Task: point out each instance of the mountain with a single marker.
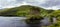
(22, 11)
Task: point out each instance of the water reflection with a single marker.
(20, 22)
(33, 25)
(34, 22)
(12, 22)
(43, 22)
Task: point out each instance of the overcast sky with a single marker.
(48, 4)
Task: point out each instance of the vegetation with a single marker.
(25, 11)
(20, 11)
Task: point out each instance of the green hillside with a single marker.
(25, 11)
(19, 11)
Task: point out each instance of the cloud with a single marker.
(54, 7)
(9, 3)
(36, 2)
(51, 3)
(16, 5)
(48, 4)
(13, 3)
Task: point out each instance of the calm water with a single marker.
(12, 22)
(18, 22)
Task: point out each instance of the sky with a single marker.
(47, 4)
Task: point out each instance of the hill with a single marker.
(24, 11)
(18, 11)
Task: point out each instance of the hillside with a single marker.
(24, 11)
(18, 11)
